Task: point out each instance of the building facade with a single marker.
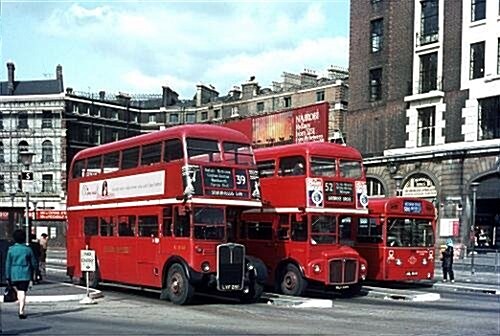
(425, 106)
(53, 123)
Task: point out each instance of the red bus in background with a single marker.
(157, 208)
(311, 193)
(397, 239)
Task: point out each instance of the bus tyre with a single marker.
(254, 293)
(292, 282)
(180, 291)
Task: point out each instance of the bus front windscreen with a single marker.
(209, 223)
(409, 232)
(323, 229)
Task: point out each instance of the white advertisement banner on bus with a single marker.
(146, 184)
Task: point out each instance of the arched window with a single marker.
(375, 187)
(47, 155)
(21, 147)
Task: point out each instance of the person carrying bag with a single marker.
(20, 265)
(10, 294)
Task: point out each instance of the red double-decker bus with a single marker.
(397, 239)
(157, 209)
(311, 193)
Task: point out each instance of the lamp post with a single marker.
(473, 187)
(26, 158)
(398, 179)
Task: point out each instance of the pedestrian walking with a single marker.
(44, 245)
(20, 266)
(447, 258)
(37, 251)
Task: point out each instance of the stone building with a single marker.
(54, 123)
(424, 106)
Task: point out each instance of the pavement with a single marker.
(484, 280)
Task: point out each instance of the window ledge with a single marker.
(427, 95)
(477, 23)
(491, 78)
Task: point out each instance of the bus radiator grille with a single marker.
(343, 271)
(230, 268)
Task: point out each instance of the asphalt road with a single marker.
(135, 312)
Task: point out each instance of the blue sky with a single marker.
(140, 46)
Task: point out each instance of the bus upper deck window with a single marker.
(266, 168)
(203, 150)
(111, 162)
(237, 153)
(173, 150)
(151, 154)
(93, 166)
(292, 165)
(323, 166)
(78, 168)
(350, 169)
(130, 158)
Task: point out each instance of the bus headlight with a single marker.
(363, 268)
(205, 266)
(316, 268)
(399, 262)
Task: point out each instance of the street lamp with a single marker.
(473, 187)
(398, 179)
(26, 158)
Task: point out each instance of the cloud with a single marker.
(184, 43)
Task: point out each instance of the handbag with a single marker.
(9, 294)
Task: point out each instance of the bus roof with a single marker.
(327, 149)
(394, 204)
(201, 131)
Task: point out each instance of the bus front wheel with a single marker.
(292, 282)
(180, 291)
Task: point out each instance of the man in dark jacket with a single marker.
(447, 259)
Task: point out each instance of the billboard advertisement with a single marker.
(303, 124)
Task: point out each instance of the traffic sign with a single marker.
(27, 176)
(87, 260)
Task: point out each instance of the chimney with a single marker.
(205, 94)
(102, 95)
(69, 90)
(10, 77)
(249, 89)
(308, 77)
(59, 77)
(235, 92)
(170, 97)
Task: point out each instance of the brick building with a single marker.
(424, 105)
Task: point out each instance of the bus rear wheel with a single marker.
(180, 291)
(292, 282)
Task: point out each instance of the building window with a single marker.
(429, 21)
(114, 114)
(2, 184)
(47, 119)
(489, 118)
(375, 84)
(96, 135)
(287, 101)
(320, 96)
(173, 118)
(85, 135)
(2, 158)
(478, 10)
(426, 126)
(428, 72)
(47, 183)
(260, 107)
(1, 120)
(234, 111)
(204, 115)
(377, 35)
(152, 118)
(114, 136)
(375, 187)
(190, 118)
(477, 60)
(47, 155)
(21, 147)
(22, 122)
(216, 114)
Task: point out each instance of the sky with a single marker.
(137, 47)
